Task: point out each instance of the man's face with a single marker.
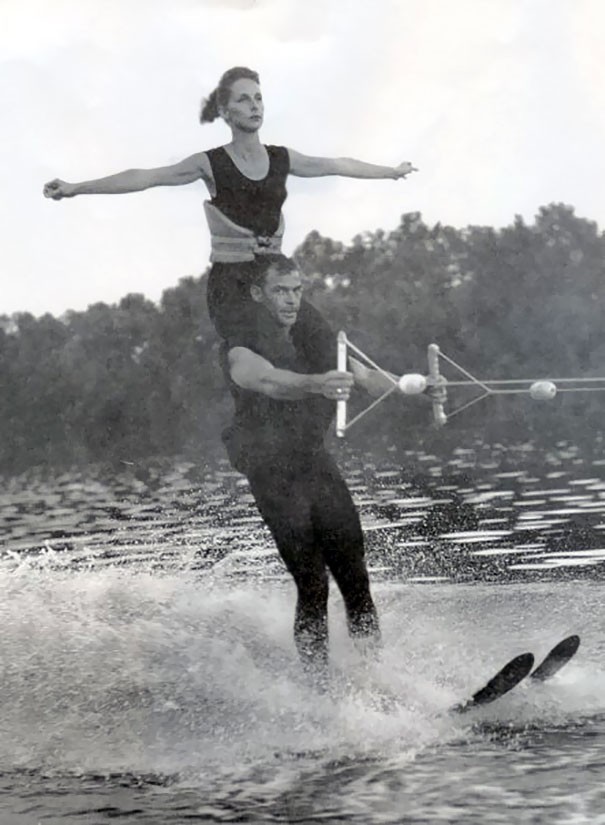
(281, 295)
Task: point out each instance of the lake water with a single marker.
(149, 674)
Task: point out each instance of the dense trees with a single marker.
(125, 381)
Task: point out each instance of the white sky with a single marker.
(500, 103)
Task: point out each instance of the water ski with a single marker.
(518, 668)
(511, 674)
(554, 661)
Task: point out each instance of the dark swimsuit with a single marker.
(303, 499)
(255, 205)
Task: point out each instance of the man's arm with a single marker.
(251, 371)
(304, 166)
(195, 167)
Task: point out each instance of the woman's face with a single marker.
(244, 110)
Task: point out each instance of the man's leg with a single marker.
(283, 501)
(338, 532)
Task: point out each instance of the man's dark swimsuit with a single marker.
(279, 446)
(255, 205)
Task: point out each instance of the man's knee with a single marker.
(347, 564)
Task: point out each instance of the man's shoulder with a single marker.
(252, 334)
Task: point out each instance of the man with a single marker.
(284, 402)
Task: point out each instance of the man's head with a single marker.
(277, 286)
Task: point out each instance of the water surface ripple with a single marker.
(149, 675)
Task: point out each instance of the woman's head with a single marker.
(217, 103)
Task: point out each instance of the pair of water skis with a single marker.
(518, 669)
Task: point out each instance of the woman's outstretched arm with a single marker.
(304, 166)
(195, 167)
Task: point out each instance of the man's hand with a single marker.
(57, 189)
(335, 385)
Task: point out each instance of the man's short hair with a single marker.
(274, 261)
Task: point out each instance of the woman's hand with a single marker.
(404, 169)
(57, 189)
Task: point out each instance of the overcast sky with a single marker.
(500, 103)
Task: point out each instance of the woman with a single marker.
(247, 185)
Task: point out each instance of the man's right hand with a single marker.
(335, 385)
(57, 189)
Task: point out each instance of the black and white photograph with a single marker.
(302, 391)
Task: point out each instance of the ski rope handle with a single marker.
(539, 389)
(341, 366)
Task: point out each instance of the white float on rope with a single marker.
(543, 390)
(412, 383)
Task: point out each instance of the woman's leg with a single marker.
(313, 336)
(228, 298)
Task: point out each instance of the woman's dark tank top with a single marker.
(254, 204)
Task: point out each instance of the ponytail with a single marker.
(209, 111)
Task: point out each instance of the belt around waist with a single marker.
(232, 250)
(231, 243)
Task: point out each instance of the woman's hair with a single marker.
(220, 96)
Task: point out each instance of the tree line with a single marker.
(136, 379)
